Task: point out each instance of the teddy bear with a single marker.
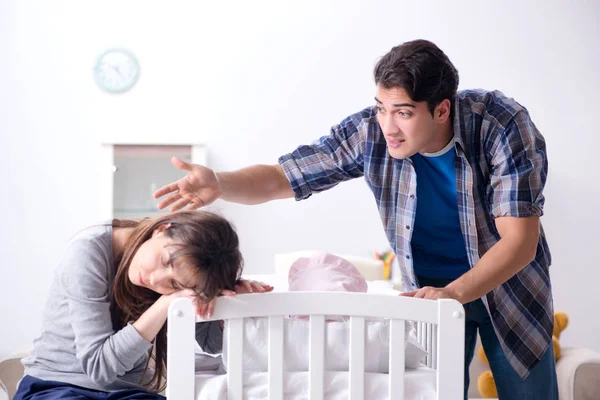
(485, 382)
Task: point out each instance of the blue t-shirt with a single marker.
(438, 247)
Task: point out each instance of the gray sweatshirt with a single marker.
(78, 344)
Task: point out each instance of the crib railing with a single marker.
(427, 337)
(440, 329)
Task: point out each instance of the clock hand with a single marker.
(118, 71)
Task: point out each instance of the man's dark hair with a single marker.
(420, 68)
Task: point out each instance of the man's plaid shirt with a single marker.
(501, 169)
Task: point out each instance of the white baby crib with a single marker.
(440, 325)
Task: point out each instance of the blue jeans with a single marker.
(540, 384)
(31, 388)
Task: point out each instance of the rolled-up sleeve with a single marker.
(328, 161)
(519, 167)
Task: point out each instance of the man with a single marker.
(458, 179)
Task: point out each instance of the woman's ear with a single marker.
(160, 229)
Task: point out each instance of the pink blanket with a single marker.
(324, 272)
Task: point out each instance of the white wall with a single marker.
(253, 80)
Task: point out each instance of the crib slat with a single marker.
(316, 359)
(434, 334)
(235, 338)
(396, 377)
(357, 358)
(275, 358)
(429, 346)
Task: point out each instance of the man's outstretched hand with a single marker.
(199, 188)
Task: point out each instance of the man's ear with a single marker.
(160, 229)
(442, 111)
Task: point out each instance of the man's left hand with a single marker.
(428, 292)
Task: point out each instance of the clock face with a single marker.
(116, 71)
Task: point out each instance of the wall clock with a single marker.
(116, 71)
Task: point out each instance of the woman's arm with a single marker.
(209, 335)
(152, 320)
(103, 353)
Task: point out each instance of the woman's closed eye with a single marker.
(164, 259)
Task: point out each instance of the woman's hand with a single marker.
(249, 286)
(179, 293)
(202, 308)
(205, 309)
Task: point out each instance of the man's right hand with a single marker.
(198, 189)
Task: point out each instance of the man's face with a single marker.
(408, 126)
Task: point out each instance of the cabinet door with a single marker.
(137, 171)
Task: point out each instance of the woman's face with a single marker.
(150, 266)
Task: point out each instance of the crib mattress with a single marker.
(419, 384)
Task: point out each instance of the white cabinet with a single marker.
(133, 172)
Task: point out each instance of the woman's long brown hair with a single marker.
(208, 242)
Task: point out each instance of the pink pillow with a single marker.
(324, 272)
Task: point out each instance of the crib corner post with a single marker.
(180, 350)
(451, 350)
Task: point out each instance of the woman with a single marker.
(108, 303)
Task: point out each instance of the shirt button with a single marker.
(412, 196)
(407, 227)
(407, 257)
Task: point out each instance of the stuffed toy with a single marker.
(485, 383)
(387, 257)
